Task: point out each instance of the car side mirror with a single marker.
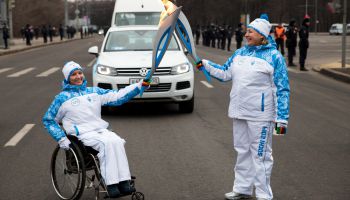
(93, 50)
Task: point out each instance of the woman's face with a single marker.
(253, 37)
(76, 78)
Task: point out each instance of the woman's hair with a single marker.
(264, 41)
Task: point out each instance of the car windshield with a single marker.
(139, 18)
(134, 40)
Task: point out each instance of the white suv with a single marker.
(125, 57)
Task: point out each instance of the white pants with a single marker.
(253, 143)
(113, 161)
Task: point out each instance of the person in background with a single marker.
(229, 37)
(303, 42)
(239, 35)
(291, 34)
(280, 36)
(5, 35)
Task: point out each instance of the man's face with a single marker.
(253, 37)
(76, 78)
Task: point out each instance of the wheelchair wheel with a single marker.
(137, 196)
(68, 172)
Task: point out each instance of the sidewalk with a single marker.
(18, 44)
(335, 70)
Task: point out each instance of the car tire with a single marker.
(186, 106)
(104, 110)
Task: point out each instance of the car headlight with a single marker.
(180, 69)
(104, 70)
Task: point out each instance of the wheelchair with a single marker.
(77, 169)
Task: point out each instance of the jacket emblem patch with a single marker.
(75, 102)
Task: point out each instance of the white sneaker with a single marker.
(236, 196)
(261, 199)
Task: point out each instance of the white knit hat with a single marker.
(261, 25)
(69, 68)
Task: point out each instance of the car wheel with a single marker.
(186, 106)
(104, 110)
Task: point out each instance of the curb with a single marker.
(335, 74)
(38, 46)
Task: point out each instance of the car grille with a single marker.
(136, 71)
(161, 87)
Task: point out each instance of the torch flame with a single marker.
(169, 8)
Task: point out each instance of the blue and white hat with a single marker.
(261, 25)
(69, 68)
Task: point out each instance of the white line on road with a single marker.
(92, 62)
(20, 73)
(5, 69)
(48, 72)
(207, 84)
(16, 138)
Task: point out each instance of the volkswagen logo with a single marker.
(143, 71)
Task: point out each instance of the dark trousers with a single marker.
(229, 44)
(5, 42)
(239, 44)
(197, 39)
(223, 43)
(213, 43)
(291, 54)
(280, 44)
(219, 43)
(302, 56)
(28, 40)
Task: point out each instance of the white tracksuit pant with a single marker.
(253, 144)
(113, 161)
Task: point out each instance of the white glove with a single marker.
(64, 143)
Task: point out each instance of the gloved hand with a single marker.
(199, 65)
(64, 143)
(146, 84)
(281, 128)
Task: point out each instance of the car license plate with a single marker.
(155, 80)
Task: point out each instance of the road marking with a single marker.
(20, 73)
(207, 84)
(92, 62)
(16, 138)
(48, 72)
(5, 69)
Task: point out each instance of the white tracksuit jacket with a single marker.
(259, 97)
(79, 110)
(260, 86)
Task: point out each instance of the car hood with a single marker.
(131, 59)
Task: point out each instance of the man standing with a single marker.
(61, 30)
(229, 37)
(5, 35)
(291, 42)
(44, 33)
(197, 33)
(239, 35)
(280, 37)
(27, 34)
(304, 42)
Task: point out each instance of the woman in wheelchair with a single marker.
(78, 108)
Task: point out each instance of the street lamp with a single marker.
(344, 34)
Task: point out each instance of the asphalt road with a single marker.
(177, 156)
